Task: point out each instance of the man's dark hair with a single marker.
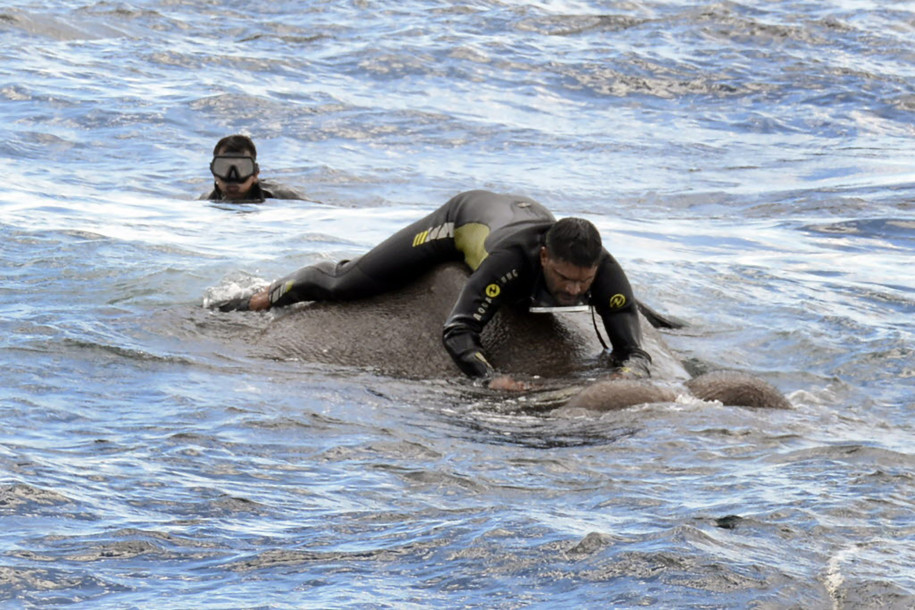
(237, 144)
(575, 241)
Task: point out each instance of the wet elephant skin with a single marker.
(399, 334)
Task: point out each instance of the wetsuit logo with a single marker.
(493, 290)
(617, 301)
(277, 291)
(442, 231)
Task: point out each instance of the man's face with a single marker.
(232, 188)
(566, 282)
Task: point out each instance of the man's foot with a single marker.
(236, 304)
(260, 300)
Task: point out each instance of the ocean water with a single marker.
(750, 164)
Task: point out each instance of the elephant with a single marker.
(399, 333)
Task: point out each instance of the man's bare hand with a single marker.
(504, 382)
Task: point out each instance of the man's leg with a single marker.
(394, 262)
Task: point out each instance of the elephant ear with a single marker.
(737, 389)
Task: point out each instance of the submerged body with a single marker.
(392, 335)
(236, 174)
(256, 193)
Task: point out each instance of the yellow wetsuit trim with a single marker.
(470, 239)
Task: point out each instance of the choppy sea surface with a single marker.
(752, 165)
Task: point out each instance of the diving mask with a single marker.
(233, 168)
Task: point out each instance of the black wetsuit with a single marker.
(499, 237)
(259, 192)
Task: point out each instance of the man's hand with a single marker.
(504, 382)
(636, 366)
(236, 304)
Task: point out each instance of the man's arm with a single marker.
(627, 357)
(481, 297)
(613, 298)
(463, 344)
(272, 190)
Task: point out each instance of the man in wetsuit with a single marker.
(517, 252)
(236, 174)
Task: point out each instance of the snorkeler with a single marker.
(236, 174)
